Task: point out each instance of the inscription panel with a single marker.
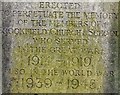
(60, 47)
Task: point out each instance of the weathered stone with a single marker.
(58, 47)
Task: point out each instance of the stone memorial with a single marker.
(60, 47)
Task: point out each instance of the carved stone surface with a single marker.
(59, 47)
